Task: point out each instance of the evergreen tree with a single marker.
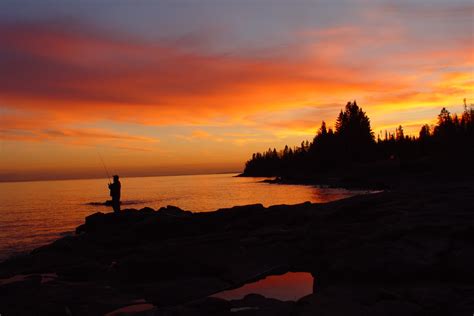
(399, 134)
(354, 133)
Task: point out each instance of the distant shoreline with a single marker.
(124, 176)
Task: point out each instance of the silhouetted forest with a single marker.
(353, 143)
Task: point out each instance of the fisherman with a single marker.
(115, 193)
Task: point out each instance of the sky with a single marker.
(180, 87)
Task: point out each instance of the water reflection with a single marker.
(34, 213)
(290, 286)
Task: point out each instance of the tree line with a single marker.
(353, 143)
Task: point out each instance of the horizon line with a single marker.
(142, 176)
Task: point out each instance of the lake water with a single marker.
(35, 213)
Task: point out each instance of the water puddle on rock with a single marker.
(290, 286)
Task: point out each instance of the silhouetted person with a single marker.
(115, 193)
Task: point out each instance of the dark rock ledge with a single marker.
(409, 252)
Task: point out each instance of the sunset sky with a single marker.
(176, 87)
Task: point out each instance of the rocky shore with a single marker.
(403, 252)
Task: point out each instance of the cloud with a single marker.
(58, 74)
(200, 134)
(96, 75)
(428, 10)
(76, 136)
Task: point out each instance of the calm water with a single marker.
(35, 213)
(290, 286)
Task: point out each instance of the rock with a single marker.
(210, 306)
(147, 210)
(394, 308)
(171, 210)
(255, 304)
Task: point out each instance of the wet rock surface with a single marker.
(406, 252)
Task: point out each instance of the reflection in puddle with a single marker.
(290, 286)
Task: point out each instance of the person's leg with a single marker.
(116, 205)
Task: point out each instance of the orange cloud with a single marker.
(12, 130)
(77, 75)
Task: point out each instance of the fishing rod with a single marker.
(105, 167)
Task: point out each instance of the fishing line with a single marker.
(105, 167)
